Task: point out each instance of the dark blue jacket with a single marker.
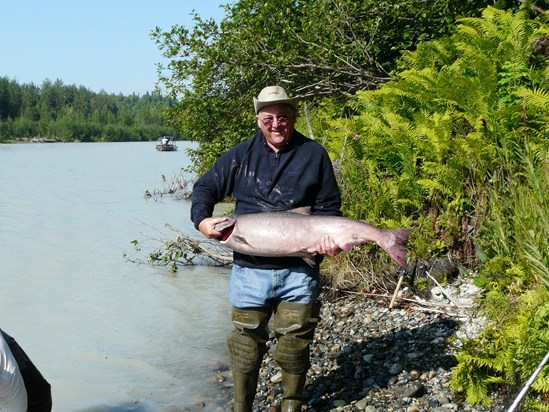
(261, 180)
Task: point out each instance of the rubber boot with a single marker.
(292, 387)
(295, 324)
(244, 385)
(246, 349)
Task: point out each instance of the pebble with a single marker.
(395, 369)
(277, 378)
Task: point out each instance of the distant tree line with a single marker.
(69, 112)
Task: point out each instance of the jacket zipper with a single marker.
(277, 156)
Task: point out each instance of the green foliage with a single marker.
(323, 49)
(518, 221)
(67, 113)
(457, 146)
(508, 350)
(427, 143)
(515, 243)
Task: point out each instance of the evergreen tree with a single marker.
(67, 113)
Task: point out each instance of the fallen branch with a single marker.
(180, 249)
(397, 289)
(444, 308)
(203, 248)
(179, 187)
(432, 310)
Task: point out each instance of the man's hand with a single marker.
(207, 226)
(327, 246)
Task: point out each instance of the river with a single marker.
(108, 334)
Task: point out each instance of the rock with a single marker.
(277, 378)
(395, 369)
(415, 390)
(442, 398)
(414, 374)
(362, 404)
(368, 358)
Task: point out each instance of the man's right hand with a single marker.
(207, 226)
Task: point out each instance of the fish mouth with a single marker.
(225, 233)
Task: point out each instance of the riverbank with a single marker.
(367, 357)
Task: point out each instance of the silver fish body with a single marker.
(297, 234)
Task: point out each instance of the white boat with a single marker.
(166, 144)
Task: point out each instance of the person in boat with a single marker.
(165, 141)
(277, 169)
(22, 386)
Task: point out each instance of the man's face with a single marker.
(277, 123)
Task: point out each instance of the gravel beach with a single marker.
(368, 357)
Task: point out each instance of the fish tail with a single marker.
(397, 247)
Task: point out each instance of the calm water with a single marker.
(109, 335)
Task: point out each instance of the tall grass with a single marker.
(514, 246)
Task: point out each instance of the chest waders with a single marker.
(246, 349)
(294, 326)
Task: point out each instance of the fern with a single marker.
(459, 140)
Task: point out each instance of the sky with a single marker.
(98, 44)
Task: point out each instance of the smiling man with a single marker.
(276, 121)
(277, 169)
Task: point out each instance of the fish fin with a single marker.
(348, 246)
(227, 223)
(226, 228)
(304, 210)
(397, 248)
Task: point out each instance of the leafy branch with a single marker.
(179, 249)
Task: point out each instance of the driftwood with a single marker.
(414, 303)
(397, 289)
(178, 186)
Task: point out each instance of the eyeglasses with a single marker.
(280, 118)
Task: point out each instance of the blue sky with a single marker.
(98, 44)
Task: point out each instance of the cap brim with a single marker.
(258, 105)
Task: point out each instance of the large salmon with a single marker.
(298, 234)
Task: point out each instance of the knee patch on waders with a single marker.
(295, 325)
(247, 341)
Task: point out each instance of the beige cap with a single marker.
(273, 95)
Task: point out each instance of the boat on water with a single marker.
(166, 144)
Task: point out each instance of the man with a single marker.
(277, 169)
(22, 386)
